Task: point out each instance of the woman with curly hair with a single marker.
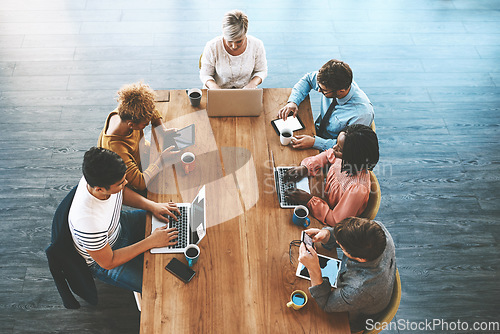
(348, 185)
(123, 133)
(235, 59)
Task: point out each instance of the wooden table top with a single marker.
(244, 277)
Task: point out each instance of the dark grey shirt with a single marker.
(363, 290)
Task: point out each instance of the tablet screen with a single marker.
(292, 123)
(184, 137)
(180, 139)
(330, 268)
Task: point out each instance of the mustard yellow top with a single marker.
(130, 148)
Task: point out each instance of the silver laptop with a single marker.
(234, 102)
(283, 187)
(191, 224)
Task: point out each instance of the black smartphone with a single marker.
(181, 270)
(307, 239)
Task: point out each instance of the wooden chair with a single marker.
(391, 309)
(374, 199)
(199, 61)
(371, 125)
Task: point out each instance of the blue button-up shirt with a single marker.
(354, 108)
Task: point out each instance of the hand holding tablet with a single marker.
(291, 123)
(330, 267)
(180, 139)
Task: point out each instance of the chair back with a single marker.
(374, 199)
(199, 61)
(374, 128)
(68, 268)
(391, 309)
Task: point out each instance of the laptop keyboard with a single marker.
(182, 226)
(285, 187)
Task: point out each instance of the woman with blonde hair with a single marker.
(123, 133)
(235, 59)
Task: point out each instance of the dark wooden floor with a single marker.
(431, 69)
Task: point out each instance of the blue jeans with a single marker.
(128, 275)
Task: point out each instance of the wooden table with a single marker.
(244, 277)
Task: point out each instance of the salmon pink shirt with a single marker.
(346, 195)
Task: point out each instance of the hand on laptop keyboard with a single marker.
(163, 211)
(164, 236)
(295, 173)
(298, 196)
(181, 226)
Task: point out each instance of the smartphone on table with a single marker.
(181, 270)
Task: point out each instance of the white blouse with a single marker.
(233, 71)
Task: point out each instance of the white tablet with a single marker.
(292, 123)
(180, 139)
(184, 137)
(330, 268)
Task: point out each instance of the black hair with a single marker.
(102, 167)
(360, 151)
(360, 237)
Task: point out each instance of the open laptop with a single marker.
(234, 102)
(283, 187)
(191, 224)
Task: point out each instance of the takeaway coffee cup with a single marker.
(300, 214)
(297, 300)
(188, 161)
(286, 136)
(194, 95)
(192, 253)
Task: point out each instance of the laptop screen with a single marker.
(275, 174)
(198, 228)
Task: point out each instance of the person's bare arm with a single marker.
(256, 80)
(211, 84)
(303, 142)
(309, 258)
(108, 258)
(290, 107)
(159, 210)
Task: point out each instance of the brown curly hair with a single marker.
(335, 75)
(136, 102)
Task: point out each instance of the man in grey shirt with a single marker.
(366, 281)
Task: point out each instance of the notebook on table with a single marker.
(191, 224)
(283, 187)
(234, 102)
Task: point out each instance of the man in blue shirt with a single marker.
(343, 103)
